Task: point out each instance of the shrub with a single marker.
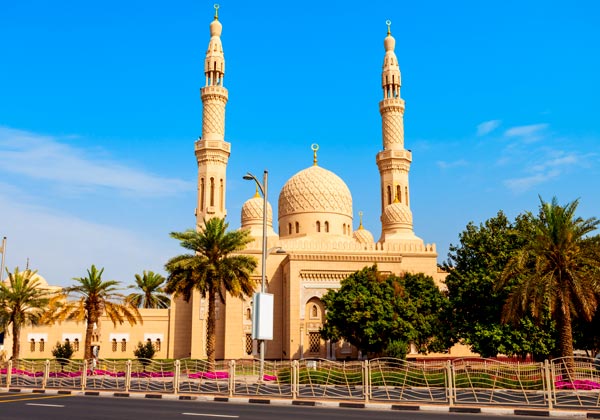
(63, 351)
(144, 350)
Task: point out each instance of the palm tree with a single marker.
(152, 294)
(95, 297)
(557, 272)
(213, 269)
(22, 302)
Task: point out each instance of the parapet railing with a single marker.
(558, 383)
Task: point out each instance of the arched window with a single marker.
(123, 345)
(318, 226)
(42, 344)
(222, 195)
(406, 194)
(314, 312)
(399, 193)
(157, 344)
(289, 228)
(202, 188)
(32, 345)
(297, 227)
(248, 314)
(389, 194)
(114, 344)
(344, 228)
(212, 191)
(76, 344)
(326, 226)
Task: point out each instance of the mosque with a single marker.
(314, 249)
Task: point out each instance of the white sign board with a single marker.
(262, 317)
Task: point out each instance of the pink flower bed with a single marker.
(269, 377)
(583, 384)
(209, 375)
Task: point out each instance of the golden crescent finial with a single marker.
(314, 148)
(216, 6)
(389, 24)
(256, 195)
(360, 215)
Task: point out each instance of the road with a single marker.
(65, 407)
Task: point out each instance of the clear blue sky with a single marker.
(100, 108)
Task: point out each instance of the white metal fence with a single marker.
(566, 382)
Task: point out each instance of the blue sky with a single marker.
(100, 108)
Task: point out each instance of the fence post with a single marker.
(366, 380)
(450, 379)
(294, 378)
(176, 376)
(84, 375)
(127, 375)
(9, 368)
(549, 383)
(231, 377)
(46, 374)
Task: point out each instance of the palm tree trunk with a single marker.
(210, 330)
(16, 347)
(89, 330)
(565, 336)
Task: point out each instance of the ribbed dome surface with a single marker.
(397, 213)
(315, 190)
(252, 212)
(363, 236)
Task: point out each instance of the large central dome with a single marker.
(312, 190)
(315, 201)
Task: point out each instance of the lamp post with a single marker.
(263, 190)
(3, 250)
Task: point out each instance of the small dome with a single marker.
(363, 236)
(315, 190)
(216, 28)
(252, 212)
(389, 43)
(397, 213)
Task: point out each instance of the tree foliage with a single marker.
(93, 298)
(144, 350)
(213, 269)
(22, 302)
(556, 271)
(63, 351)
(382, 314)
(474, 269)
(151, 292)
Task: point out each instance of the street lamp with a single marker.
(262, 301)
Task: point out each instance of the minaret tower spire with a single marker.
(212, 151)
(394, 160)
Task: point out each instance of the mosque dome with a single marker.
(363, 236)
(252, 212)
(397, 214)
(313, 190)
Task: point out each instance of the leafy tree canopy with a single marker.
(476, 300)
(381, 314)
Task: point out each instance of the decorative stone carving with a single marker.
(315, 190)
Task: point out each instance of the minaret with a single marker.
(394, 161)
(212, 151)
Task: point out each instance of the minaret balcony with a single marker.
(400, 154)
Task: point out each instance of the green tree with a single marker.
(63, 351)
(144, 350)
(382, 314)
(474, 269)
(151, 292)
(22, 302)
(93, 298)
(556, 271)
(214, 269)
